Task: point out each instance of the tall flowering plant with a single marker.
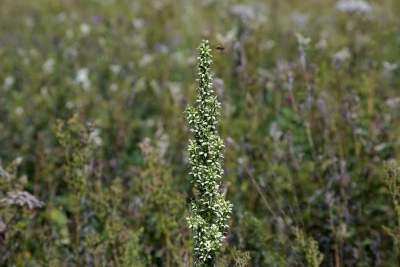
(209, 211)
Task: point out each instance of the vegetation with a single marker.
(94, 160)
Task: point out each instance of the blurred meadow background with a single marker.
(93, 138)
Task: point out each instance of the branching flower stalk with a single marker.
(209, 211)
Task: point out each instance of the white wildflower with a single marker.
(303, 41)
(19, 160)
(19, 111)
(145, 60)
(244, 11)
(82, 78)
(393, 102)
(69, 105)
(138, 23)
(322, 44)
(389, 68)
(8, 82)
(341, 56)
(113, 87)
(95, 138)
(115, 68)
(44, 91)
(353, 6)
(48, 66)
(85, 29)
(22, 199)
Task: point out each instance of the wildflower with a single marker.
(353, 6)
(303, 41)
(157, 47)
(322, 44)
(161, 48)
(97, 19)
(85, 29)
(115, 68)
(298, 18)
(8, 82)
(95, 138)
(22, 199)
(244, 11)
(145, 60)
(48, 66)
(69, 105)
(138, 23)
(19, 111)
(393, 102)
(210, 212)
(19, 160)
(82, 78)
(340, 57)
(389, 68)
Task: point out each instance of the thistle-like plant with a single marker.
(209, 211)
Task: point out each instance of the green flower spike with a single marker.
(210, 212)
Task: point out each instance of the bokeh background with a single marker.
(93, 138)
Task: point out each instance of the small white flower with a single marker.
(341, 56)
(18, 160)
(48, 66)
(95, 138)
(115, 68)
(393, 102)
(82, 75)
(303, 41)
(380, 147)
(138, 23)
(244, 11)
(19, 111)
(353, 6)
(69, 105)
(44, 91)
(113, 87)
(388, 67)
(82, 78)
(145, 60)
(322, 44)
(8, 82)
(85, 29)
